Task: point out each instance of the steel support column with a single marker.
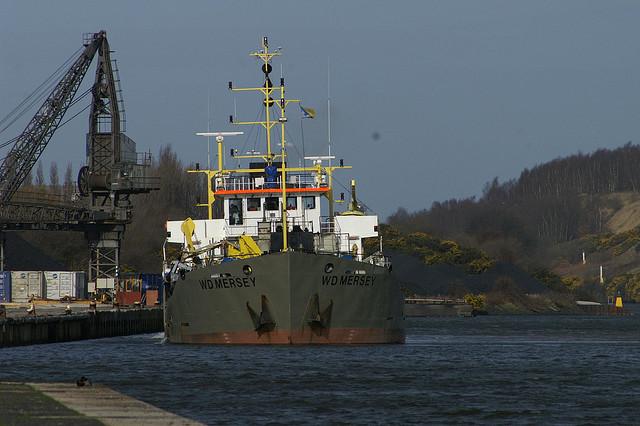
(104, 258)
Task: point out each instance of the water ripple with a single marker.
(489, 370)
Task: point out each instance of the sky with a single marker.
(429, 99)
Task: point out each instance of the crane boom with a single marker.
(28, 147)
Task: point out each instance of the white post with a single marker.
(584, 259)
(601, 275)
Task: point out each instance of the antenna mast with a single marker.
(271, 119)
(330, 194)
(209, 129)
(329, 106)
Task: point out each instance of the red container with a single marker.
(128, 297)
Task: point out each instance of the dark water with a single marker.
(493, 370)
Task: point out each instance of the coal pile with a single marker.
(19, 255)
(454, 280)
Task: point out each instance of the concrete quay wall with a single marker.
(65, 328)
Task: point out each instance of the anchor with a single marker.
(264, 322)
(318, 321)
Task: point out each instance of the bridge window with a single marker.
(309, 203)
(292, 203)
(253, 204)
(272, 204)
(235, 211)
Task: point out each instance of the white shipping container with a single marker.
(52, 285)
(61, 284)
(67, 286)
(27, 284)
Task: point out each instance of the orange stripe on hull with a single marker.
(334, 336)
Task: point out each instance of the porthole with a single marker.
(328, 268)
(248, 270)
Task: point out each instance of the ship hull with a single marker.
(286, 298)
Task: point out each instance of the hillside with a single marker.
(627, 216)
(617, 253)
(545, 219)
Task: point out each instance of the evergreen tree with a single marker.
(54, 179)
(68, 188)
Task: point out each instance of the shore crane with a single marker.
(113, 172)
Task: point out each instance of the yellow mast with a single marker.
(213, 173)
(267, 90)
(265, 55)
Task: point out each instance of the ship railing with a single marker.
(328, 225)
(378, 259)
(236, 183)
(344, 242)
(251, 228)
(238, 230)
(250, 183)
(302, 180)
(293, 224)
(331, 243)
(299, 224)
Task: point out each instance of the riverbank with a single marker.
(513, 303)
(508, 303)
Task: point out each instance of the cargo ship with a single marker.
(266, 266)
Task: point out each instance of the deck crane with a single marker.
(114, 171)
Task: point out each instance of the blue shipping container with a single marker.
(5, 286)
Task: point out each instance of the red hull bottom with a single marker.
(334, 336)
